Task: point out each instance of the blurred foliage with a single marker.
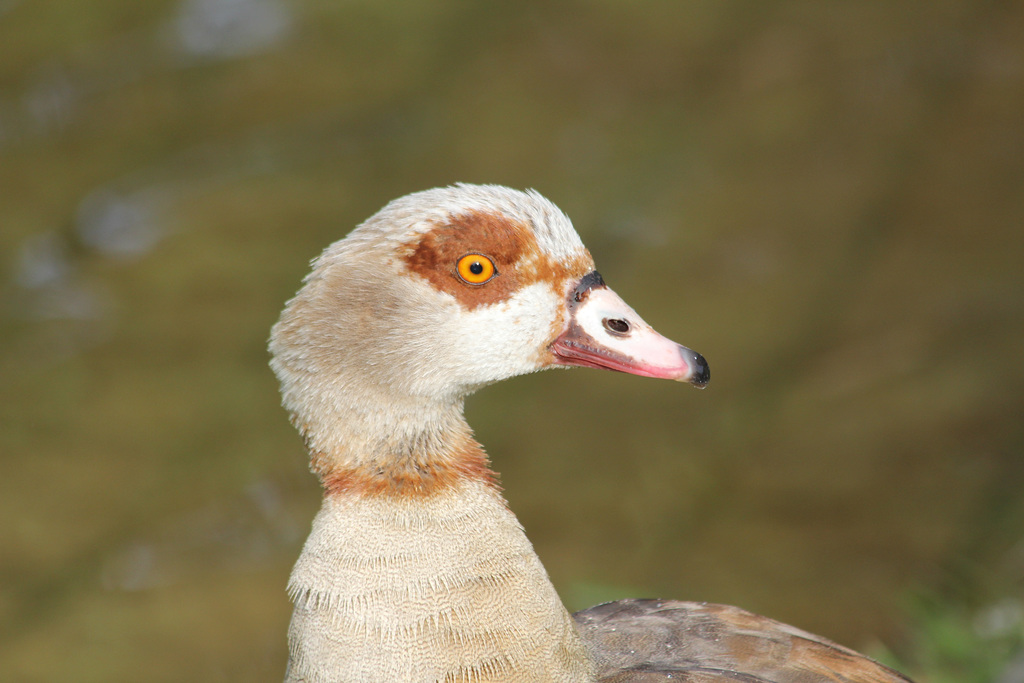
(826, 199)
(953, 644)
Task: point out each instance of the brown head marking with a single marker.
(508, 243)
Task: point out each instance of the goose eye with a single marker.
(475, 269)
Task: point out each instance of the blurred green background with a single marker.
(826, 199)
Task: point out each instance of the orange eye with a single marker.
(475, 269)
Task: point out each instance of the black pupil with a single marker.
(476, 268)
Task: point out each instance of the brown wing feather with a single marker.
(644, 641)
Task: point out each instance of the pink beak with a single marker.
(604, 332)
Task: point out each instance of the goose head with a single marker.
(438, 294)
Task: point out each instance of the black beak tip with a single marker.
(701, 371)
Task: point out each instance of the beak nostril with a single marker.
(616, 326)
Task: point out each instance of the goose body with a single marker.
(415, 569)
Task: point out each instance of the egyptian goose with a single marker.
(415, 568)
